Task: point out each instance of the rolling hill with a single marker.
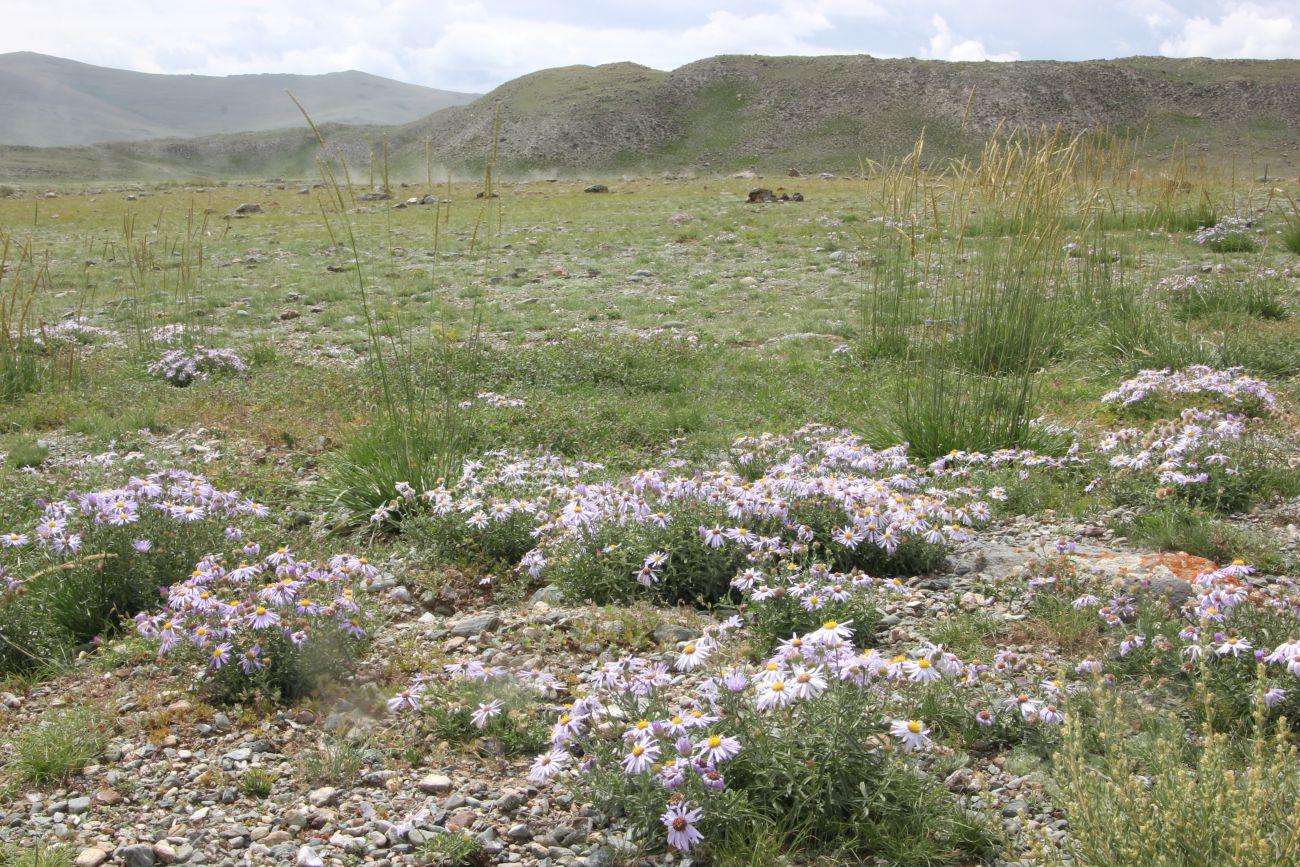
(49, 101)
(813, 113)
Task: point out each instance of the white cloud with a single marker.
(1247, 30)
(945, 46)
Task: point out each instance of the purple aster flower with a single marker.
(680, 821)
(220, 655)
(718, 748)
(486, 711)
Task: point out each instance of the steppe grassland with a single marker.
(655, 324)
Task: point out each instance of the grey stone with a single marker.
(136, 856)
(435, 784)
(248, 208)
(671, 634)
(77, 806)
(520, 832)
(323, 797)
(476, 625)
(307, 857)
(92, 857)
(550, 594)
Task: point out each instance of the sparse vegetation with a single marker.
(54, 749)
(657, 520)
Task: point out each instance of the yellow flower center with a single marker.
(914, 727)
(715, 742)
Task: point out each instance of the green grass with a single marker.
(27, 454)
(55, 748)
(1193, 531)
(38, 855)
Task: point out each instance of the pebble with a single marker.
(136, 856)
(435, 784)
(323, 797)
(476, 625)
(92, 857)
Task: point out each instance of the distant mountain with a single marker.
(775, 113)
(49, 101)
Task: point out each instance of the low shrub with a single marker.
(95, 558)
(1219, 806)
(181, 367)
(1229, 235)
(277, 627)
(798, 752)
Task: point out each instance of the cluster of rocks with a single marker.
(762, 195)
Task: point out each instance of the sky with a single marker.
(474, 46)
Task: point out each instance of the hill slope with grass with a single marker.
(724, 113)
(51, 101)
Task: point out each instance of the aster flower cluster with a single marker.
(1229, 626)
(698, 730)
(78, 562)
(822, 487)
(174, 334)
(1179, 453)
(494, 400)
(169, 496)
(181, 367)
(1231, 385)
(1228, 235)
(264, 616)
(71, 332)
(472, 699)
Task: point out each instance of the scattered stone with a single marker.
(307, 857)
(247, 208)
(461, 820)
(287, 315)
(961, 780)
(136, 856)
(325, 796)
(435, 784)
(673, 634)
(596, 188)
(92, 857)
(478, 624)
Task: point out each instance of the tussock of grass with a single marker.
(55, 748)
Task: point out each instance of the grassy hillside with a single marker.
(724, 113)
(52, 101)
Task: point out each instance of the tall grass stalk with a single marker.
(29, 361)
(424, 382)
